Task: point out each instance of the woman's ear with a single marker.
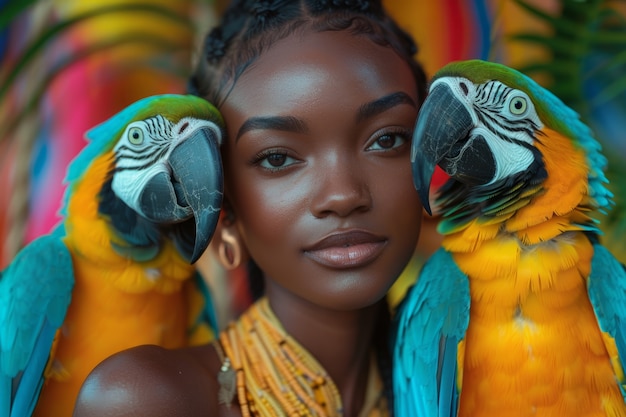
(231, 251)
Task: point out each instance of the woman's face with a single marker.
(317, 167)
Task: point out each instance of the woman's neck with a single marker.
(341, 341)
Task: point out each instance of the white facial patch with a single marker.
(140, 159)
(505, 117)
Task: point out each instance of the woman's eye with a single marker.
(275, 160)
(388, 141)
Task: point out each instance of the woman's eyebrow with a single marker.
(383, 104)
(284, 123)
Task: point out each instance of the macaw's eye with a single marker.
(135, 135)
(518, 105)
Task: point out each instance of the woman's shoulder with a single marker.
(153, 381)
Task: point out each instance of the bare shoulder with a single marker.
(153, 381)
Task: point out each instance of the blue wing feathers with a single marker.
(5, 395)
(430, 322)
(35, 292)
(31, 381)
(607, 292)
(448, 394)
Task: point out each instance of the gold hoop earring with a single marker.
(229, 251)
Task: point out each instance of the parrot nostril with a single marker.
(464, 88)
(182, 128)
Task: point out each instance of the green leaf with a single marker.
(560, 45)
(608, 38)
(610, 91)
(536, 12)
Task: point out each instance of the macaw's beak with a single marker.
(442, 137)
(191, 196)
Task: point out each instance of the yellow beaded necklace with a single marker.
(273, 375)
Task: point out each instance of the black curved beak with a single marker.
(443, 121)
(194, 189)
(197, 168)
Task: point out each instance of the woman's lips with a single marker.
(347, 249)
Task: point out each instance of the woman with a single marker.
(319, 99)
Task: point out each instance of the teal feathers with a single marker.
(30, 316)
(435, 312)
(607, 292)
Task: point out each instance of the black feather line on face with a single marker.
(136, 230)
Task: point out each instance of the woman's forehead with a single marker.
(333, 66)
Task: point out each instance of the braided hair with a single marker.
(250, 27)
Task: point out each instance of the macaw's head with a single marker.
(165, 178)
(499, 135)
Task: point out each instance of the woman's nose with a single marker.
(342, 189)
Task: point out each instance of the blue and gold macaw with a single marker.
(521, 311)
(141, 206)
